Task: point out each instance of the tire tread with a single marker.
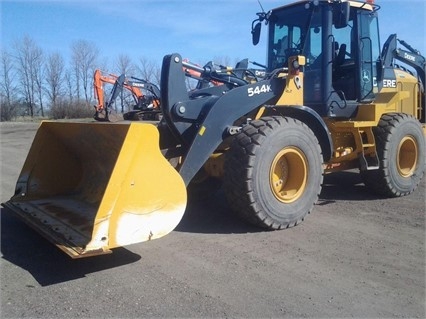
(241, 198)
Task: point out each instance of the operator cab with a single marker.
(340, 41)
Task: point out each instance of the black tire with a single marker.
(400, 145)
(273, 172)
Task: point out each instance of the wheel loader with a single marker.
(330, 100)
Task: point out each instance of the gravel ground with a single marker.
(356, 255)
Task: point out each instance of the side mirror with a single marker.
(255, 32)
(341, 13)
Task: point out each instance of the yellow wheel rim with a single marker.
(288, 174)
(407, 156)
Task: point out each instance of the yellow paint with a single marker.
(293, 91)
(215, 165)
(99, 186)
(202, 130)
(260, 112)
(288, 175)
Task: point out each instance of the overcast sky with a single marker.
(200, 30)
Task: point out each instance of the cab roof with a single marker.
(367, 5)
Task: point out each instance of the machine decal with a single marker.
(389, 83)
(265, 88)
(409, 57)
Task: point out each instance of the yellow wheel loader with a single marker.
(331, 100)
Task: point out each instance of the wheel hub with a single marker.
(288, 174)
(407, 156)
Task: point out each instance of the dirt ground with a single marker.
(356, 255)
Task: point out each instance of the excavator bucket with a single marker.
(90, 187)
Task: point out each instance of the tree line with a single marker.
(36, 83)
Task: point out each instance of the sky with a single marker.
(200, 30)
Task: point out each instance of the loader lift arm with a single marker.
(201, 124)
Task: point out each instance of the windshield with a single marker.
(294, 31)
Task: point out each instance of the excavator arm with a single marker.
(99, 79)
(410, 57)
(133, 85)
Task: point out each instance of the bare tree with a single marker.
(124, 64)
(222, 60)
(149, 70)
(69, 85)
(75, 75)
(29, 59)
(38, 76)
(7, 93)
(84, 56)
(54, 77)
(156, 74)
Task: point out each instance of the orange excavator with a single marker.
(146, 107)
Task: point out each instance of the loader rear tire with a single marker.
(400, 145)
(273, 172)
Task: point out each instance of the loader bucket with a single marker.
(90, 187)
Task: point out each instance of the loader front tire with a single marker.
(273, 172)
(400, 145)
